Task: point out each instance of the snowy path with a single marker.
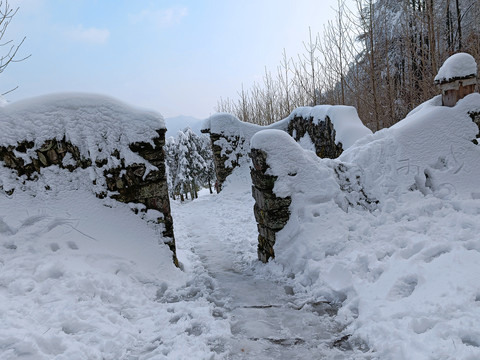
(216, 240)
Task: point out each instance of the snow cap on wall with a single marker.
(98, 125)
(348, 126)
(76, 114)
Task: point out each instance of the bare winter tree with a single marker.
(9, 49)
(380, 56)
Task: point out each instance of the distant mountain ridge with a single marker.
(174, 124)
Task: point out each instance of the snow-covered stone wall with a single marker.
(410, 247)
(95, 141)
(285, 175)
(434, 150)
(326, 130)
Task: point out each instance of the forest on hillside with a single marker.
(380, 56)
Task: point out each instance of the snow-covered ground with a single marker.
(85, 278)
(217, 242)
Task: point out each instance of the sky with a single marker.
(177, 57)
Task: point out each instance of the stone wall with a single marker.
(127, 184)
(475, 116)
(321, 133)
(230, 138)
(271, 212)
(226, 159)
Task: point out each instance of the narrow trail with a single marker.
(216, 238)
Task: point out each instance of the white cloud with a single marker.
(161, 17)
(89, 35)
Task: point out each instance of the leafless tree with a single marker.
(9, 51)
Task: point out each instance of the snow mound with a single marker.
(96, 124)
(229, 125)
(460, 65)
(430, 150)
(83, 278)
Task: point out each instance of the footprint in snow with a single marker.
(403, 287)
(5, 228)
(72, 245)
(54, 247)
(435, 252)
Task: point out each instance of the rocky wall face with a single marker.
(227, 154)
(322, 135)
(127, 183)
(271, 212)
(475, 116)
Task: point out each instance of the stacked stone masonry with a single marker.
(271, 212)
(127, 183)
(222, 156)
(321, 134)
(476, 119)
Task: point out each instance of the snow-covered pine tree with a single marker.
(190, 165)
(196, 163)
(171, 162)
(183, 179)
(208, 175)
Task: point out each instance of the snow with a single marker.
(81, 277)
(96, 124)
(348, 126)
(85, 278)
(460, 65)
(267, 320)
(433, 141)
(404, 272)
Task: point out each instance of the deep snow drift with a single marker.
(404, 271)
(81, 277)
(84, 278)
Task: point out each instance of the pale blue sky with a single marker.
(172, 56)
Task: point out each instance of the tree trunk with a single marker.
(459, 25)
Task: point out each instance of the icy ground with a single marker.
(83, 278)
(217, 240)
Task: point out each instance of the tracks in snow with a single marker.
(216, 239)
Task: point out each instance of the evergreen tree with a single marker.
(189, 161)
